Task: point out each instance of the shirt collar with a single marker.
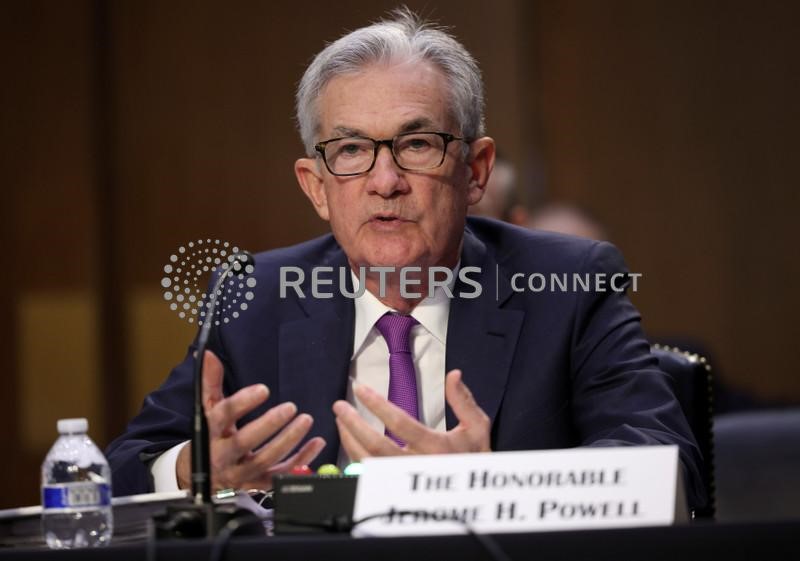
(431, 312)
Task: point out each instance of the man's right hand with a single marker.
(236, 462)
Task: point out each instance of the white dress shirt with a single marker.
(369, 365)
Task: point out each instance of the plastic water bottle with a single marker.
(76, 490)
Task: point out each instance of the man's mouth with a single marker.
(386, 218)
(387, 222)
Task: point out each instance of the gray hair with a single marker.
(404, 37)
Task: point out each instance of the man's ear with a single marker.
(481, 162)
(309, 177)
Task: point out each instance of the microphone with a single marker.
(240, 264)
(202, 518)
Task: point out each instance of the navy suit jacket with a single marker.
(552, 369)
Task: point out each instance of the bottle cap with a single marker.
(72, 426)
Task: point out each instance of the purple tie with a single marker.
(396, 329)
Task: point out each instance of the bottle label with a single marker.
(76, 495)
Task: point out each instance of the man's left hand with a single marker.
(360, 440)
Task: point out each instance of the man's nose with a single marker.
(385, 178)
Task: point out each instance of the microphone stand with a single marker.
(203, 518)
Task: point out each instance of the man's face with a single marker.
(389, 216)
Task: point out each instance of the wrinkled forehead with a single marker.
(385, 99)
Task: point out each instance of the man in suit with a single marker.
(392, 119)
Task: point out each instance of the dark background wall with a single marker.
(132, 127)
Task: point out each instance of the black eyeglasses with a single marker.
(412, 151)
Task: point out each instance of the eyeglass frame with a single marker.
(389, 143)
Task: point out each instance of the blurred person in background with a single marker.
(501, 199)
(566, 219)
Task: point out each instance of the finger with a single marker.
(283, 443)
(373, 442)
(257, 431)
(352, 447)
(401, 424)
(223, 416)
(309, 451)
(213, 372)
(464, 406)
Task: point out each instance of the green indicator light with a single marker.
(328, 469)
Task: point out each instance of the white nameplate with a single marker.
(520, 491)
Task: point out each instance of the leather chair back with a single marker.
(691, 378)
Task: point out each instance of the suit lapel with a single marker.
(481, 336)
(314, 356)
